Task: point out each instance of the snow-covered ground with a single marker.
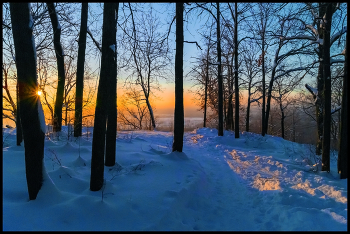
(217, 183)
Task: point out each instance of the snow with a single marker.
(314, 31)
(112, 47)
(320, 41)
(314, 90)
(58, 23)
(307, 37)
(338, 34)
(31, 23)
(337, 61)
(216, 183)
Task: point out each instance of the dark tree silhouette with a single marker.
(179, 106)
(78, 119)
(206, 81)
(107, 74)
(19, 133)
(56, 27)
(320, 85)
(327, 24)
(236, 75)
(343, 139)
(33, 134)
(220, 82)
(112, 100)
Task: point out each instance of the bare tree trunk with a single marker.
(229, 119)
(78, 117)
(320, 86)
(206, 87)
(320, 103)
(107, 74)
(179, 105)
(327, 89)
(33, 134)
(236, 77)
(220, 82)
(247, 117)
(268, 102)
(112, 103)
(56, 27)
(343, 136)
(153, 121)
(248, 108)
(19, 133)
(282, 118)
(146, 90)
(264, 128)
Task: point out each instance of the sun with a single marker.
(39, 92)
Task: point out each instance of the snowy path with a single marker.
(232, 199)
(246, 183)
(226, 193)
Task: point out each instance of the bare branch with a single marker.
(194, 42)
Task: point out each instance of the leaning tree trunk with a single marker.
(153, 121)
(33, 132)
(179, 104)
(78, 115)
(343, 139)
(268, 101)
(206, 89)
(56, 27)
(220, 82)
(107, 74)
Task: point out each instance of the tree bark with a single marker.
(57, 121)
(268, 102)
(112, 103)
(282, 118)
(263, 127)
(19, 133)
(236, 77)
(206, 87)
(220, 82)
(343, 139)
(78, 118)
(248, 108)
(320, 87)
(327, 89)
(107, 73)
(229, 119)
(33, 135)
(179, 105)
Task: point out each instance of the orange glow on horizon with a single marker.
(164, 102)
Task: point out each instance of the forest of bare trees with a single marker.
(269, 68)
